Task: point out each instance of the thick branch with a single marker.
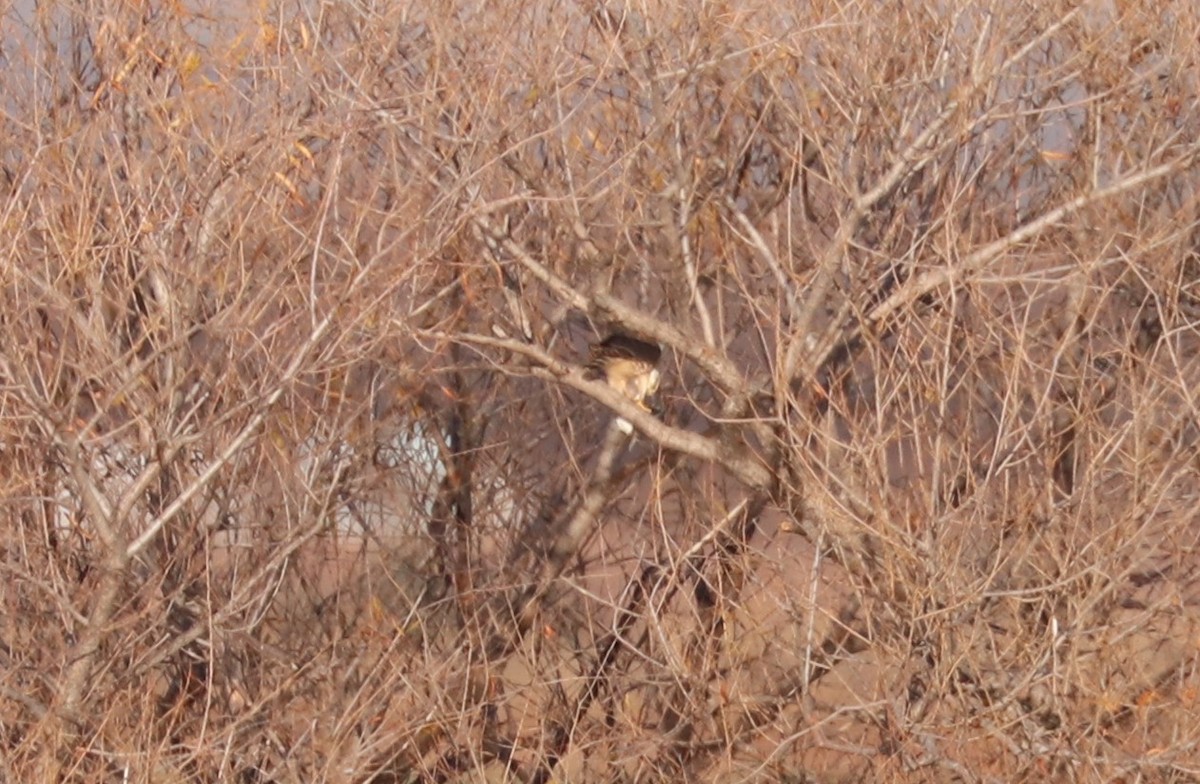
(742, 465)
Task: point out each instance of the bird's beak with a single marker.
(654, 405)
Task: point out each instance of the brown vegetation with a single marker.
(305, 479)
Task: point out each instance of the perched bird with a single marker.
(628, 365)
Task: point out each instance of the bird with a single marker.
(627, 364)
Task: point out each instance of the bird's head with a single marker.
(628, 365)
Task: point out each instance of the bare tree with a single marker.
(308, 479)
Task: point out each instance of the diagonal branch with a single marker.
(718, 369)
(935, 279)
(748, 470)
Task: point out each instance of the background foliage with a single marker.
(303, 480)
